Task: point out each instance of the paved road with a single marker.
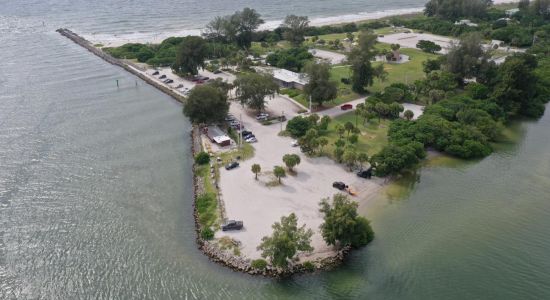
(333, 57)
(337, 111)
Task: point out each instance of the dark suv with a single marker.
(339, 185)
(232, 225)
(365, 173)
(231, 165)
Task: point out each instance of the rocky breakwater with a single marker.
(117, 62)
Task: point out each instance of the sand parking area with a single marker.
(409, 40)
(259, 206)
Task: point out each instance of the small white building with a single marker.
(289, 79)
(217, 136)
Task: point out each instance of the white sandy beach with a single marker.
(110, 40)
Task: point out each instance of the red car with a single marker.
(346, 106)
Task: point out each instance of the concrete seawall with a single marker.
(117, 62)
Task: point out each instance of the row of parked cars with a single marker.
(199, 79)
(247, 136)
(163, 77)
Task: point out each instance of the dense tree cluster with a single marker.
(253, 89)
(455, 9)
(362, 71)
(206, 104)
(295, 29)
(464, 125)
(428, 46)
(319, 87)
(342, 224)
(467, 58)
(163, 54)
(190, 55)
(292, 59)
(237, 28)
(285, 241)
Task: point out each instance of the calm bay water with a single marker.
(95, 185)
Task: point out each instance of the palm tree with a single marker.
(339, 129)
(279, 172)
(256, 169)
(408, 114)
(322, 143)
(291, 160)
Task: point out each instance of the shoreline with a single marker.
(211, 250)
(116, 40)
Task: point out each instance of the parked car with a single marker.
(339, 185)
(168, 81)
(247, 136)
(232, 225)
(262, 116)
(229, 118)
(217, 71)
(162, 76)
(251, 140)
(246, 132)
(294, 143)
(179, 86)
(365, 173)
(346, 106)
(155, 73)
(231, 165)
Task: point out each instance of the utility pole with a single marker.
(282, 116)
(117, 83)
(240, 130)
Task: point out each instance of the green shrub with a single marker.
(298, 126)
(202, 158)
(206, 205)
(309, 266)
(259, 264)
(207, 233)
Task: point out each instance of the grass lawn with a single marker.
(407, 72)
(257, 48)
(373, 137)
(207, 203)
(345, 93)
(384, 30)
(328, 37)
